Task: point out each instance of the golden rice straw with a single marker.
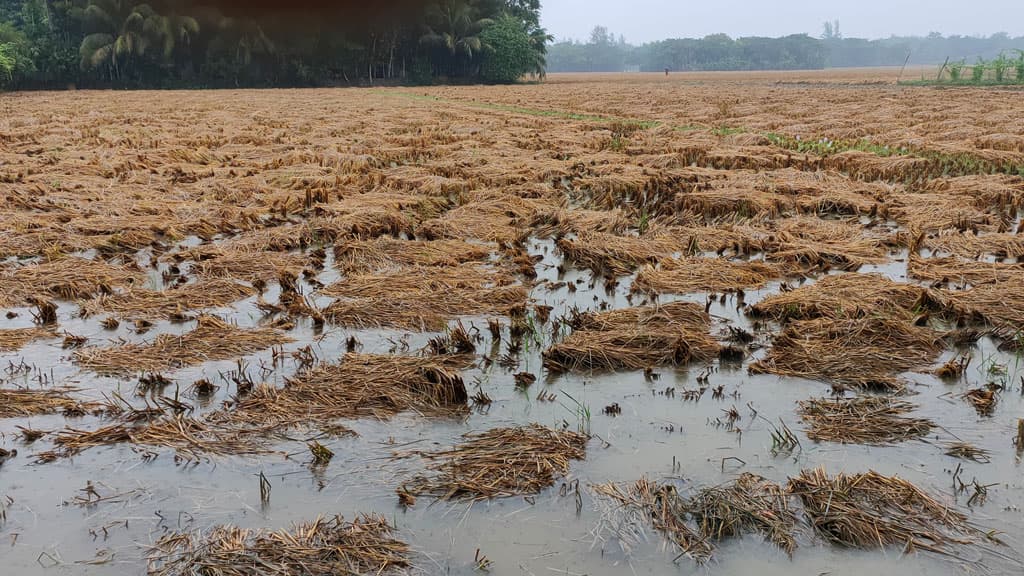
(226, 263)
(869, 510)
(361, 385)
(190, 438)
(13, 339)
(323, 547)
(20, 402)
(616, 255)
(864, 353)
(661, 506)
(975, 246)
(489, 216)
(929, 213)
(848, 296)
(814, 243)
(558, 222)
(172, 303)
(952, 270)
(999, 304)
(748, 504)
(499, 463)
(212, 339)
(374, 255)
(686, 275)
(635, 338)
(421, 298)
(863, 420)
(744, 203)
(65, 278)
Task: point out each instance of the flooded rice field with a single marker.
(592, 326)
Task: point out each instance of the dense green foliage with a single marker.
(207, 43)
(604, 53)
(7, 63)
(509, 50)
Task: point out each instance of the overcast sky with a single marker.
(645, 20)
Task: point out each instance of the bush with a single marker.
(6, 64)
(508, 52)
(15, 56)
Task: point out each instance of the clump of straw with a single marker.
(683, 276)
(863, 353)
(749, 504)
(173, 303)
(13, 339)
(614, 255)
(846, 296)
(420, 297)
(192, 439)
(869, 510)
(212, 339)
(362, 385)
(382, 253)
(499, 463)
(323, 547)
(635, 338)
(28, 402)
(64, 278)
(863, 420)
(645, 502)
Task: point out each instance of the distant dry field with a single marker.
(240, 275)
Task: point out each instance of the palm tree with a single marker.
(245, 38)
(237, 44)
(177, 31)
(539, 39)
(455, 26)
(125, 32)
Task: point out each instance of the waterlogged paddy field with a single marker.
(256, 308)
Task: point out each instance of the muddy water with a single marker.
(658, 434)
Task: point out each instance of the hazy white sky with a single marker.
(645, 20)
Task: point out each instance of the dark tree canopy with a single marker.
(208, 43)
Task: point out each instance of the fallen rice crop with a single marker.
(421, 298)
(191, 439)
(361, 385)
(69, 278)
(630, 507)
(862, 353)
(16, 402)
(685, 276)
(847, 296)
(870, 510)
(635, 339)
(499, 463)
(14, 338)
(212, 339)
(173, 303)
(861, 420)
(323, 547)
(455, 241)
(748, 504)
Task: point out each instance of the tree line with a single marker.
(604, 52)
(213, 43)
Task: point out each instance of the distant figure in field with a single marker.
(666, 71)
